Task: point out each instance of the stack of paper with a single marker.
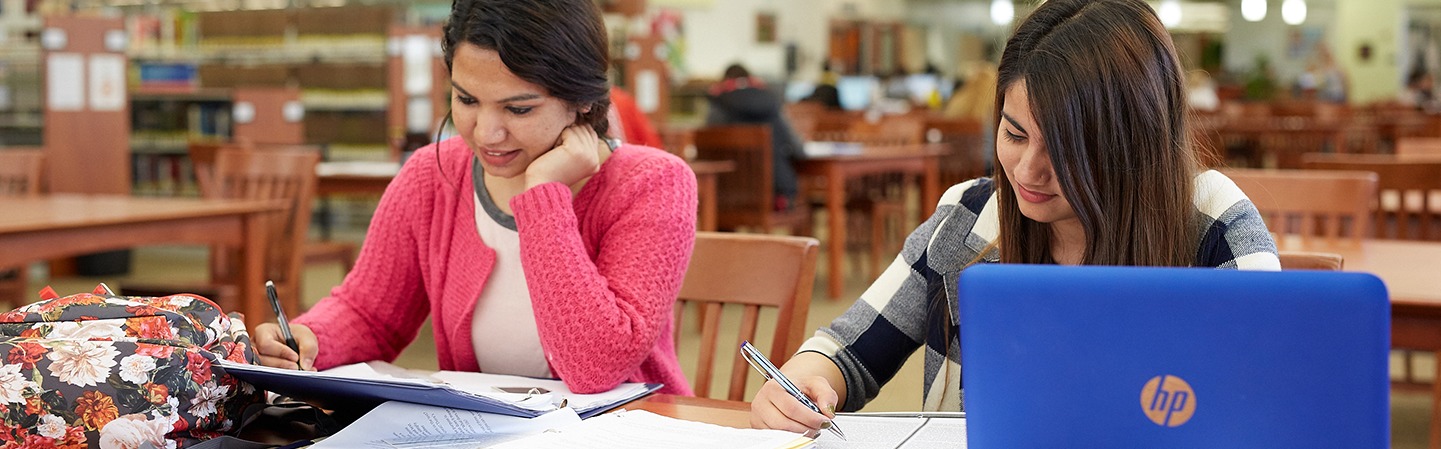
(640, 429)
(376, 382)
(406, 425)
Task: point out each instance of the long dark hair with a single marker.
(1106, 89)
(559, 45)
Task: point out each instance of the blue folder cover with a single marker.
(349, 393)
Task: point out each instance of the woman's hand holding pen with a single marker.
(270, 346)
(773, 408)
(576, 156)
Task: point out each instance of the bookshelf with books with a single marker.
(334, 56)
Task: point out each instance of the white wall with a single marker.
(953, 25)
(1274, 39)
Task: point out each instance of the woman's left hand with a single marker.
(575, 157)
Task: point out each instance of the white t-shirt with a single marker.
(503, 330)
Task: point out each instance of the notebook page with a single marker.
(939, 433)
(640, 429)
(489, 384)
(870, 432)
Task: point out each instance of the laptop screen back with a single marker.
(1173, 357)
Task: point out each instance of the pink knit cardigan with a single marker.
(603, 269)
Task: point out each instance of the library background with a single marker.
(134, 98)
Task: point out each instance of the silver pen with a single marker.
(769, 370)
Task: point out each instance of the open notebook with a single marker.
(368, 384)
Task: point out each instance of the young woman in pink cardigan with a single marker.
(535, 245)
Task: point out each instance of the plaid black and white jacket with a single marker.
(903, 308)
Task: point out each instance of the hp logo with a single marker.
(1168, 400)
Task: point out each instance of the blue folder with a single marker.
(349, 393)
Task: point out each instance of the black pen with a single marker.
(284, 323)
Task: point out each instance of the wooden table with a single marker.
(1412, 272)
(65, 225)
(837, 170)
(706, 173)
(715, 411)
(354, 177)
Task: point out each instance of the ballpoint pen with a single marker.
(284, 323)
(769, 370)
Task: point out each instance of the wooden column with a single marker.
(87, 109)
(647, 77)
(269, 122)
(407, 110)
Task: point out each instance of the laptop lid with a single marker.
(1173, 357)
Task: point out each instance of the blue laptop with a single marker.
(1128, 357)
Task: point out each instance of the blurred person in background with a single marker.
(740, 98)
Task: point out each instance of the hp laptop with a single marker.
(1129, 357)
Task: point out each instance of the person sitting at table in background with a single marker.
(976, 100)
(1420, 91)
(825, 93)
(1096, 169)
(740, 98)
(536, 246)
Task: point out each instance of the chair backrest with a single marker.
(744, 195)
(889, 130)
(202, 162)
(1418, 146)
(20, 172)
(1308, 260)
(966, 139)
(1312, 203)
(749, 271)
(276, 174)
(1408, 191)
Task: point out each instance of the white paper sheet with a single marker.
(65, 82)
(891, 432)
(406, 425)
(647, 91)
(107, 82)
(490, 385)
(640, 429)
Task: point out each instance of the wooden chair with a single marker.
(747, 271)
(1310, 260)
(202, 159)
(746, 195)
(1419, 146)
(274, 174)
(1334, 205)
(20, 172)
(966, 139)
(1408, 195)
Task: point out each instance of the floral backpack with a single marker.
(98, 370)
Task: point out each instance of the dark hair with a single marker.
(736, 71)
(559, 45)
(1106, 89)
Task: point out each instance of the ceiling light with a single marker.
(1002, 11)
(1170, 12)
(1253, 10)
(1293, 12)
